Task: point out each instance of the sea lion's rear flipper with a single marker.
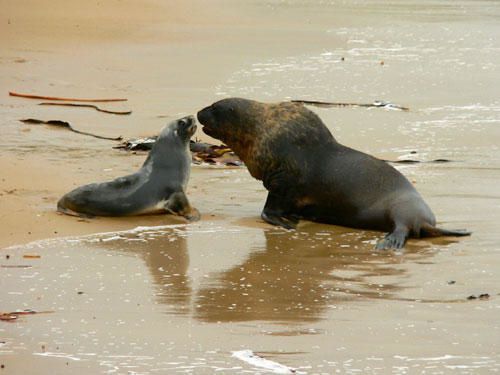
(394, 240)
(274, 213)
(428, 230)
(178, 204)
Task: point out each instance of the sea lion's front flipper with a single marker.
(178, 204)
(192, 214)
(394, 240)
(70, 212)
(274, 213)
(63, 207)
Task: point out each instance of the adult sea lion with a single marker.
(310, 175)
(158, 186)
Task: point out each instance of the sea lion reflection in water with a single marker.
(309, 175)
(159, 186)
(295, 277)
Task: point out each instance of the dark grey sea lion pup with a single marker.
(158, 186)
(310, 175)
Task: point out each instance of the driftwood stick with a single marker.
(66, 125)
(31, 96)
(89, 106)
(375, 104)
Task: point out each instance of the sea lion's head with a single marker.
(233, 121)
(171, 149)
(263, 133)
(179, 131)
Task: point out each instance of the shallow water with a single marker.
(182, 298)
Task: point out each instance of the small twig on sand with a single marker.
(89, 106)
(12, 316)
(66, 125)
(411, 161)
(31, 96)
(375, 104)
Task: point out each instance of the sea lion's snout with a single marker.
(186, 121)
(206, 118)
(187, 126)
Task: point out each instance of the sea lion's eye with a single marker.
(182, 122)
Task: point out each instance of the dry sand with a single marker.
(30, 31)
(181, 298)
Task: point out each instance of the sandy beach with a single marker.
(153, 294)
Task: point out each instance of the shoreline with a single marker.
(29, 213)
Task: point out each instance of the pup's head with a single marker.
(181, 129)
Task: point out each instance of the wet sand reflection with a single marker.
(298, 275)
(292, 277)
(166, 256)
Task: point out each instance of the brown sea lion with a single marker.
(310, 175)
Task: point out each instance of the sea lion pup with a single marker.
(159, 185)
(310, 175)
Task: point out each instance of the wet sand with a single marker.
(169, 297)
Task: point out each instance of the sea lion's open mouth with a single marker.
(204, 117)
(206, 130)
